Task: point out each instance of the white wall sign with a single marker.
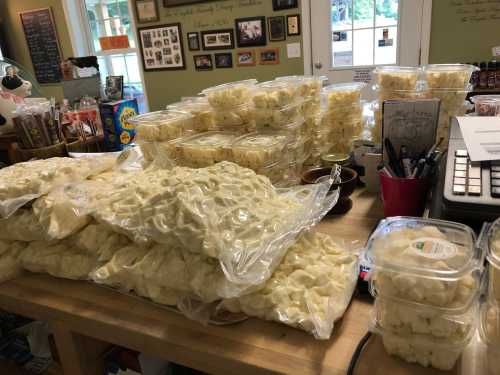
(362, 75)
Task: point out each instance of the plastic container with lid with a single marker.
(161, 125)
(300, 149)
(274, 94)
(239, 118)
(493, 258)
(276, 172)
(229, 95)
(278, 117)
(486, 105)
(205, 149)
(489, 331)
(257, 150)
(342, 94)
(425, 261)
(203, 118)
(166, 150)
(448, 76)
(311, 106)
(396, 77)
(307, 86)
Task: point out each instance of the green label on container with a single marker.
(433, 248)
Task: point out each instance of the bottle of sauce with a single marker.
(483, 76)
(492, 69)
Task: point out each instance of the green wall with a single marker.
(464, 30)
(164, 87)
(9, 15)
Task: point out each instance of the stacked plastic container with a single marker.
(342, 118)
(203, 117)
(486, 105)
(451, 84)
(426, 281)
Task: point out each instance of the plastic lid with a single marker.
(230, 85)
(210, 139)
(159, 118)
(489, 324)
(261, 140)
(435, 249)
(302, 78)
(397, 69)
(486, 99)
(349, 86)
(340, 159)
(450, 68)
(493, 255)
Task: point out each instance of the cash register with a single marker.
(466, 191)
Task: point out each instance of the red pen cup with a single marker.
(404, 196)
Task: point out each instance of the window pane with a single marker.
(119, 66)
(386, 12)
(341, 14)
(342, 48)
(103, 69)
(386, 41)
(363, 13)
(363, 47)
(133, 67)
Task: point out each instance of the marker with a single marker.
(405, 161)
(393, 158)
(418, 169)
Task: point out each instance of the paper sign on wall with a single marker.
(293, 50)
(362, 75)
(496, 51)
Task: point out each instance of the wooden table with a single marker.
(80, 312)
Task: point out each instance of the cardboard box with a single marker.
(118, 132)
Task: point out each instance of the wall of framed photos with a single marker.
(228, 51)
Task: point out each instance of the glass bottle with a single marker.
(492, 68)
(483, 76)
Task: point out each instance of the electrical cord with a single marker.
(357, 353)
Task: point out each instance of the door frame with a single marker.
(425, 34)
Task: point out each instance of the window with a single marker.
(109, 18)
(364, 32)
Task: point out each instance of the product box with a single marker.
(118, 132)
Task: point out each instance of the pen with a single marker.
(418, 169)
(405, 161)
(393, 159)
(433, 148)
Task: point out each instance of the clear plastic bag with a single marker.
(10, 266)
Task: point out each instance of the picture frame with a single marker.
(176, 3)
(146, 11)
(276, 28)
(269, 56)
(223, 60)
(203, 62)
(285, 4)
(217, 39)
(293, 25)
(245, 58)
(162, 47)
(251, 31)
(114, 87)
(193, 40)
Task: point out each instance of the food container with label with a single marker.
(391, 78)
(203, 118)
(161, 126)
(275, 94)
(486, 105)
(489, 331)
(257, 150)
(278, 117)
(230, 95)
(205, 149)
(493, 258)
(424, 261)
(456, 76)
(239, 118)
(342, 95)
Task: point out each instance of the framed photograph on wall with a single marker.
(161, 47)
(293, 25)
(203, 62)
(251, 31)
(193, 41)
(285, 4)
(146, 11)
(217, 39)
(245, 58)
(223, 60)
(276, 28)
(269, 56)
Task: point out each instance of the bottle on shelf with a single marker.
(483, 75)
(492, 68)
(474, 79)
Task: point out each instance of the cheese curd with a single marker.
(238, 118)
(310, 289)
(393, 78)
(274, 94)
(257, 150)
(202, 114)
(448, 76)
(342, 95)
(205, 149)
(278, 118)
(490, 336)
(307, 86)
(160, 126)
(230, 95)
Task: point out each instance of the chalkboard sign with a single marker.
(43, 45)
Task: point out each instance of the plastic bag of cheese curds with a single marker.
(23, 182)
(224, 212)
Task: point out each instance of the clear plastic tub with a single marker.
(300, 149)
(277, 172)
(307, 86)
(342, 94)
(425, 261)
(489, 331)
(391, 78)
(275, 94)
(311, 106)
(257, 150)
(152, 150)
(486, 105)
(278, 117)
(448, 76)
(229, 95)
(203, 118)
(205, 149)
(494, 260)
(161, 126)
(239, 118)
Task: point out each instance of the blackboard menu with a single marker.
(43, 45)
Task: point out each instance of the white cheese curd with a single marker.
(490, 336)
(278, 118)
(257, 150)
(202, 114)
(310, 289)
(205, 149)
(274, 94)
(448, 76)
(229, 95)
(161, 126)
(239, 118)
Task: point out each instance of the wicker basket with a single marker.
(58, 149)
(91, 144)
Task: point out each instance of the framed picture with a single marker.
(176, 3)
(161, 47)
(285, 4)
(217, 39)
(293, 25)
(269, 56)
(114, 87)
(223, 60)
(251, 31)
(193, 41)
(146, 10)
(245, 58)
(276, 26)
(203, 62)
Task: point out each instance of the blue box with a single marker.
(118, 132)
